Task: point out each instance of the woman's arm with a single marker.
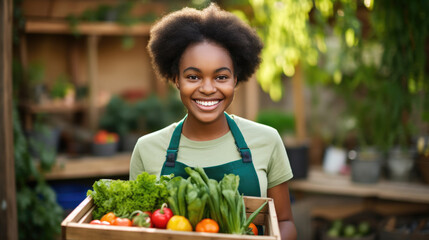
(280, 194)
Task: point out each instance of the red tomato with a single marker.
(142, 219)
(98, 222)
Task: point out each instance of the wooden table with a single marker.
(90, 167)
(320, 182)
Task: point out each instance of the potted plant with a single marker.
(370, 103)
(35, 76)
(105, 143)
(404, 66)
(130, 120)
(121, 117)
(43, 140)
(156, 112)
(63, 91)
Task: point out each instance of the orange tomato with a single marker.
(207, 225)
(254, 228)
(108, 217)
(122, 222)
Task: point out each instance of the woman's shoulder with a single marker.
(254, 128)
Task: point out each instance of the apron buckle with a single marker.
(246, 155)
(171, 157)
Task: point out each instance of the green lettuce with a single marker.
(146, 193)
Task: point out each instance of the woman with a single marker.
(206, 54)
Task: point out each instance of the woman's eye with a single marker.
(192, 77)
(222, 77)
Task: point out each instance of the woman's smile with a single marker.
(207, 105)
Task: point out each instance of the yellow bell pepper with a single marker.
(179, 223)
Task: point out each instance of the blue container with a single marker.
(70, 195)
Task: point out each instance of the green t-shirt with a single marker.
(268, 152)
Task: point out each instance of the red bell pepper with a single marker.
(161, 216)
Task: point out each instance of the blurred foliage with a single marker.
(295, 31)
(39, 215)
(147, 115)
(283, 122)
(387, 84)
(372, 53)
(61, 86)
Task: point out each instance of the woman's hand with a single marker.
(280, 195)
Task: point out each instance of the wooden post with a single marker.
(299, 105)
(8, 212)
(252, 98)
(92, 54)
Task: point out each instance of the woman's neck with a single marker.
(199, 131)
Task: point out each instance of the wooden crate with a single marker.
(76, 226)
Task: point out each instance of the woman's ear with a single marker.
(176, 82)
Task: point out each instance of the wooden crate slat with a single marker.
(106, 232)
(76, 226)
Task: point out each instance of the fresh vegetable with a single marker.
(142, 219)
(148, 213)
(187, 199)
(179, 223)
(108, 217)
(226, 205)
(103, 136)
(146, 193)
(122, 222)
(338, 228)
(207, 225)
(212, 188)
(364, 228)
(349, 230)
(160, 217)
(253, 228)
(98, 222)
(196, 199)
(176, 188)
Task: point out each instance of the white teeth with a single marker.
(207, 103)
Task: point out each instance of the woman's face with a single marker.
(206, 81)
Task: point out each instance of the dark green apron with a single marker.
(249, 183)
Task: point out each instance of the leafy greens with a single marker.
(146, 193)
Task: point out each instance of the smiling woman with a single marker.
(206, 54)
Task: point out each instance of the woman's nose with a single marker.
(207, 86)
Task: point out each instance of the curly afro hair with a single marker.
(170, 36)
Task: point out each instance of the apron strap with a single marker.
(173, 147)
(245, 153)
